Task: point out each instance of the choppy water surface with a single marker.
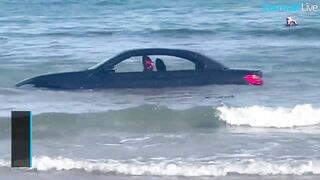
(238, 132)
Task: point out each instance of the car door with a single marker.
(176, 71)
(129, 74)
(180, 78)
(132, 80)
(139, 79)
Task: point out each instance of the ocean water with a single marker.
(209, 132)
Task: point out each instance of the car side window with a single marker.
(133, 64)
(161, 63)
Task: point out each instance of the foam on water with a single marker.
(53, 36)
(130, 118)
(279, 117)
(176, 168)
(4, 163)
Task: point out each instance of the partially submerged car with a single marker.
(103, 75)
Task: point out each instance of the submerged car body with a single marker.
(103, 75)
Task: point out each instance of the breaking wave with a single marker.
(176, 168)
(279, 117)
(152, 118)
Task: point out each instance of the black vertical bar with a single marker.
(21, 134)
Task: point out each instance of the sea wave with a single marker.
(153, 118)
(186, 31)
(145, 118)
(176, 168)
(80, 34)
(82, 31)
(278, 117)
(297, 32)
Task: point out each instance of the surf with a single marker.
(174, 167)
(276, 117)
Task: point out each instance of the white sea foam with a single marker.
(178, 168)
(4, 162)
(259, 116)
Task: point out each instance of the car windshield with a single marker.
(99, 64)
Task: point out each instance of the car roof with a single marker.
(196, 58)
